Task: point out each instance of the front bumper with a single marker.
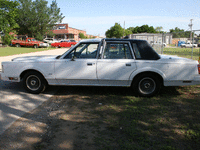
(5, 78)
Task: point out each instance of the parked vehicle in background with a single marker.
(180, 42)
(31, 42)
(188, 45)
(50, 40)
(72, 41)
(64, 43)
(158, 44)
(104, 62)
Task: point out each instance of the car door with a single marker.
(79, 66)
(116, 64)
(29, 42)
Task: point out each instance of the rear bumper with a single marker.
(195, 81)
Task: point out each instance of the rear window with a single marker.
(144, 51)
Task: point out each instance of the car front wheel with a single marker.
(34, 82)
(147, 85)
(35, 46)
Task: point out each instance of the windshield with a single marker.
(67, 51)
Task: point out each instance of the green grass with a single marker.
(6, 51)
(183, 52)
(168, 121)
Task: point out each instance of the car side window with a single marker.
(84, 51)
(117, 51)
(136, 51)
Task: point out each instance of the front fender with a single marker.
(46, 69)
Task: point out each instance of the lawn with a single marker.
(183, 52)
(114, 118)
(6, 51)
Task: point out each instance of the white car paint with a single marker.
(175, 71)
(188, 45)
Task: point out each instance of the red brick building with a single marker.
(63, 31)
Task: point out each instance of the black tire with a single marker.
(34, 82)
(17, 45)
(35, 46)
(147, 85)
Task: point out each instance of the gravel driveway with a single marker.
(15, 101)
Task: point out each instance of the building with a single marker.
(63, 31)
(153, 37)
(175, 40)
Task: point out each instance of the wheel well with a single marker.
(147, 73)
(26, 71)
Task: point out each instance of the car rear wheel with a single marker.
(34, 82)
(147, 85)
(17, 45)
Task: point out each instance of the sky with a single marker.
(97, 16)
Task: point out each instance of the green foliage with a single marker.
(39, 36)
(50, 33)
(8, 11)
(36, 18)
(82, 36)
(180, 33)
(142, 29)
(159, 29)
(127, 32)
(115, 31)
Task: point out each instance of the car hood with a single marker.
(176, 59)
(35, 58)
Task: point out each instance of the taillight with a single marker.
(2, 69)
(199, 68)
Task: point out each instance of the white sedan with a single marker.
(104, 62)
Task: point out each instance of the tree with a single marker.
(36, 18)
(8, 11)
(159, 29)
(115, 31)
(180, 33)
(142, 29)
(81, 35)
(127, 32)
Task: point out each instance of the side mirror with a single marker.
(73, 58)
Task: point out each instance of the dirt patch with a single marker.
(62, 122)
(83, 118)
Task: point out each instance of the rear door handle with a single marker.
(128, 64)
(89, 64)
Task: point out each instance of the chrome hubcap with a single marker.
(33, 82)
(147, 85)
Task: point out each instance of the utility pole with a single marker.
(124, 30)
(190, 25)
(191, 35)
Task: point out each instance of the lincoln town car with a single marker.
(104, 62)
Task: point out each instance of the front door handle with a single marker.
(128, 64)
